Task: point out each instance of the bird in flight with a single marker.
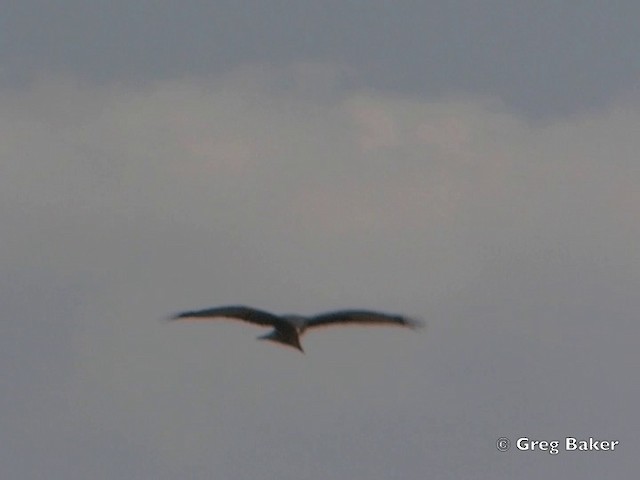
(287, 329)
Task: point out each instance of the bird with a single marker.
(288, 328)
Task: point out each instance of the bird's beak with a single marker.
(298, 345)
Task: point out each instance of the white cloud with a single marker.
(238, 190)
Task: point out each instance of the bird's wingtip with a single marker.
(415, 323)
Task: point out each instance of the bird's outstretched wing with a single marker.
(363, 317)
(248, 314)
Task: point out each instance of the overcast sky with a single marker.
(474, 164)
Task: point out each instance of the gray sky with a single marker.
(541, 58)
(470, 163)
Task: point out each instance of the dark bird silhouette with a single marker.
(287, 329)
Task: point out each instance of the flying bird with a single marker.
(287, 329)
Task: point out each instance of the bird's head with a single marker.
(278, 337)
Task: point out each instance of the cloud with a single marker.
(515, 240)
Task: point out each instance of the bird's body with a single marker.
(287, 329)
